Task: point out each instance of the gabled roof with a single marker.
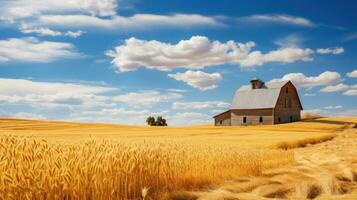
(247, 98)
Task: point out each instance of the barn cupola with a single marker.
(257, 83)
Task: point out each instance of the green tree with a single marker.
(150, 121)
(161, 121)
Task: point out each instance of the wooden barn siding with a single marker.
(225, 117)
(285, 113)
(252, 116)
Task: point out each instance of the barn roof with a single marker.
(247, 98)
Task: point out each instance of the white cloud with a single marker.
(336, 50)
(73, 34)
(349, 112)
(351, 92)
(198, 79)
(44, 31)
(24, 115)
(3, 59)
(189, 118)
(27, 87)
(309, 94)
(146, 98)
(52, 95)
(282, 19)
(91, 13)
(117, 116)
(352, 74)
(292, 41)
(176, 90)
(335, 88)
(315, 111)
(333, 107)
(196, 53)
(300, 80)
(285, 55)
(137, 21)
(20, 9)
(350, 37)
(116, 112)
(200, 105)
(78, 102)
(33, 50)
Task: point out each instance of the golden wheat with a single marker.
(31, 168)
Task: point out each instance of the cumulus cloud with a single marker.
(196, 53)
(198, 79)
(352, 74)
(276, 18)
(146, 98)
(335, 88)
(300, 80)
(33, 50)
(200, 105)
(336, 50)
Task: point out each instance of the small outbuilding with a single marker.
(260, 103)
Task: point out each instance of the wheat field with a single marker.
(61, 160)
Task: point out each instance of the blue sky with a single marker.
(121, 61)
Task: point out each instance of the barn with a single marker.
(260, 103)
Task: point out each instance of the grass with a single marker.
(61, 160)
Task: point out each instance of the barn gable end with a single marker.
(260, 103)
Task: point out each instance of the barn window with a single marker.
(244, 119)
(279, 119)
(220, 121)
(287, 90)
(260, 119)
(289, 103)
(291, 118)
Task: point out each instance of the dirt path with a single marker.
(323, 171)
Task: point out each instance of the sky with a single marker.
(120, 61)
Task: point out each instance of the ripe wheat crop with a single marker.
(33, 168)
